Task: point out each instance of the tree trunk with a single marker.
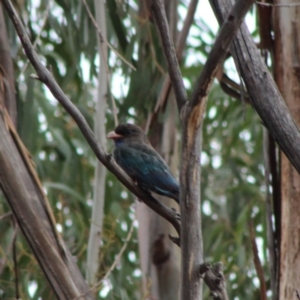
(160, 257)
(287, 75)
(100, 172)
(24, 194)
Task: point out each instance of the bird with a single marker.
(135, 155)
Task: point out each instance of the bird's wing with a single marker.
(145, 165)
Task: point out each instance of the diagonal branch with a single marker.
(46, 77)
(265, 96)
(159, 13)
(219, 49)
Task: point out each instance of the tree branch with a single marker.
(30, 208)
(214, 278)
(158, 11)
(257, 263)
(46, 77)
(264, 94)
(219, 50)
(180, 44)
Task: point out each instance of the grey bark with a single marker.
(30, 209)
(265, 96)
(100, 134)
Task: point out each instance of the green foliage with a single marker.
(232, 174)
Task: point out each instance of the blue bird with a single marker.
(135, 155)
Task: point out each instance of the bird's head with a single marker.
(128, 133)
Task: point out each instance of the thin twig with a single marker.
(14, 247)
(269, 210)
(8, 214)
(257, 263)
(219, 49)
(4, 259)
(230, 87)
(46, 14)
(46, 77)
(278, 5)
(159, 13)
(118, 257)
(114, 264)
(105, 59)
(102, 38)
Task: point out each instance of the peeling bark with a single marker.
(287, 75)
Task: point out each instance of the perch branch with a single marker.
(46, 77)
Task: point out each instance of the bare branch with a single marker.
(214, 278)
(268, 151)
(230, 87)
(103, 54)
(180, 44)
(265, 96)
(46, 77)
(118, 257)
(8, 214)
(278, 5)
(158, 11)
(103, 38)
(219, 50)
(14, 248)
(257, 263)
(4, 259)
(95, 287)
(37, 39)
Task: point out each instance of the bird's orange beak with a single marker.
(112, 135)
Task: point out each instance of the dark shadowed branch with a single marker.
(46, 77)
(265, 96)
(158, 11)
